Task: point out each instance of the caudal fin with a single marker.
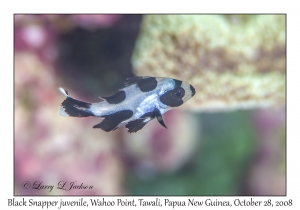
(73, 107)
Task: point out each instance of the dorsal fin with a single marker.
(117, 98)
(133, 80)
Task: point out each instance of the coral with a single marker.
(233, 61)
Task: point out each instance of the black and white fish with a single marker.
(141, 100)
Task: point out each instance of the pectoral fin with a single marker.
(159, 117)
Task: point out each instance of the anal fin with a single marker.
(112, 121)
(136, 125)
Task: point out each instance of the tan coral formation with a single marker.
(233, 61)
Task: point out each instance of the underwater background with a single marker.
(229, 139)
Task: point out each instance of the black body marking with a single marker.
(173, 98)
(112, 121)
(78, 104)
(136, 125)
(76, 108)
(192, 90)
(177, 83)
(145, 84)
(159, 117)
(116, 98)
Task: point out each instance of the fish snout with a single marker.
(192, 90)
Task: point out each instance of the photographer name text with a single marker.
(61, 185)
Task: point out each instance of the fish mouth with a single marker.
(192, 90)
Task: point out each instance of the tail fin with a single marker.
(74, 108)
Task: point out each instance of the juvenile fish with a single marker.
(141, 100)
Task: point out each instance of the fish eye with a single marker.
(178, 93)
